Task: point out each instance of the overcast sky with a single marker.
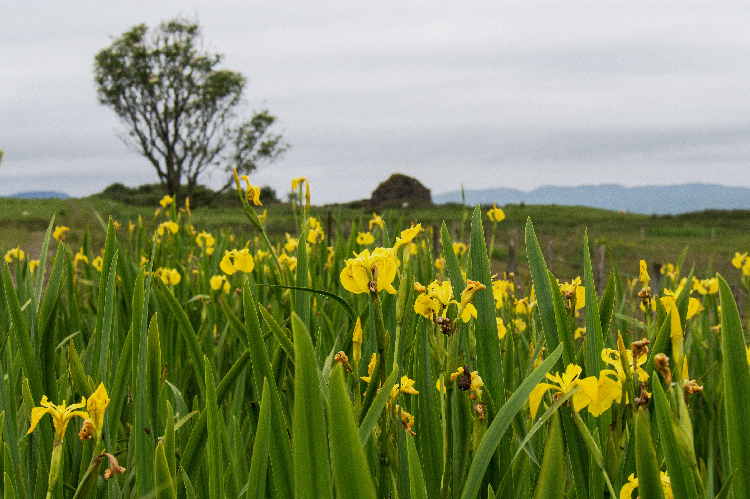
(494, 94)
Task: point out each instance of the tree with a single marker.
(181, 112)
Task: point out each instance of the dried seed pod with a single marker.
(464, 381)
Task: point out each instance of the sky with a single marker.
(515, 94)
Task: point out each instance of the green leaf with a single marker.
(373, 413)
(119, 386)
(41, 271)
(542, 289)
(189, 492)
(417, 487)
(164, 486)
(451, 263)
(256, 482)
(45, 323)
(540, 422)
(344, 304)
(607, 304)
(311, 465)
(169, 442)
(680, 474)
(350, 471)
(188, 333)
(281, 458)
(726, 489)
(194, 448)
(489, 357)
(594, 342)
(109, 251)
(561, 321)
(501, 422)
(594, 450)
(153, 377)
(551, 481)
(109, 312)
(8, 485)
(646, 464)
(736, 389)
(278, 333)
(144, 419)
(302, 300)
(234, 322)
(215, 461)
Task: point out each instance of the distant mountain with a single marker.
(39, 195)
(659, 199)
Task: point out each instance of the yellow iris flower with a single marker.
(169, 276)
(96, 405)
(365, 238)
(355, 277)
(80, 256)
(501, 329)
(290, 261)
(407, 236)
(166, 201)
(376, 220)
(16, 253)
(643, 274)
(236, 260)
(291, 243)
(169, 225)
(205, 238)
(59, 232)
(627, 490)
(426, 306)
(563, 384)
(496, 214)
(406, 386)
(61, 414)
(459, 248)
(370, 368)
(252, 192)
(97, 263)
(739, 260)
(315, 235)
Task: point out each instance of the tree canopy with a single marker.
(180, 110)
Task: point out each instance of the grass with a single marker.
(712, 236)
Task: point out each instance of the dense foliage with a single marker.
(194, 364)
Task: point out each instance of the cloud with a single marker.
(515, 94)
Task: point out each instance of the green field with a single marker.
(712, 237)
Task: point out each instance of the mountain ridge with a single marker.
(653, 199)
